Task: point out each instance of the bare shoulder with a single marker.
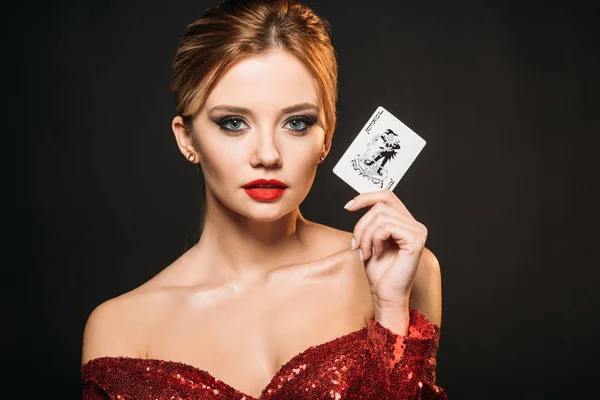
(355, 290)
(426, 294)
(335, 239)
(114, 328)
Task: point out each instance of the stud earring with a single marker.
(191, 157)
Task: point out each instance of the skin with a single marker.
(210, 294)
(265, 234)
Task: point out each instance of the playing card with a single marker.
(380, 155)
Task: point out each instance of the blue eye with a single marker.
(236, 125)
(231, 124)
(300, 124)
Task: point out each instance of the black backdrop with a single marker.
(503, 92)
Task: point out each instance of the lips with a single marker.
(264, 183)
(265, 189)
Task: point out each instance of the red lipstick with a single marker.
(265, 189)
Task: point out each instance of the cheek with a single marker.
(308, 149)
(303, 161)
(221, 163)
(307, 161)
(225, 162)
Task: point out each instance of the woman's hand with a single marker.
(398, 241)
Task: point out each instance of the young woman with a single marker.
(268, 304)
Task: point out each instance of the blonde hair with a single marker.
(238, 29)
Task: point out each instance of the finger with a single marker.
(379, 237)
(366, 240)
(407, 239)
(371, 198)
(363, 241)
(367, 219)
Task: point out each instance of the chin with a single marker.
(266, 211)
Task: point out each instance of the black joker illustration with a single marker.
(387, 149)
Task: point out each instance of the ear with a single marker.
(325, 151)
(185, 140)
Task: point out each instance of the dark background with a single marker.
(505, 93)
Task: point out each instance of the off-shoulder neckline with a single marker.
(272, 382)
(286, 366)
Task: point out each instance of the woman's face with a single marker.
(261, 120)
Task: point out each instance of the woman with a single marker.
(273, 305)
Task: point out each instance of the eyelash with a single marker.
(236, 132)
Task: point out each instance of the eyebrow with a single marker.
(286, 110)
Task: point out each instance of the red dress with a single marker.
(372, 363)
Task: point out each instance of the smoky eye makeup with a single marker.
(300, 123)
(232, 123)
(235, 124)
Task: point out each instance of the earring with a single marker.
(322, 154)
(191, 157)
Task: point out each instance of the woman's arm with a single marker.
(426, 293)
(404, 366)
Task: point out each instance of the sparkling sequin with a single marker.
(372, 363)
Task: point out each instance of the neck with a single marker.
(240, 247)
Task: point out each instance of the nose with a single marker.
(265, 152)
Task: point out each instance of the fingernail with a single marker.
(353, 243)
(360, 254)
(348, 204)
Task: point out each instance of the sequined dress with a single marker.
(372, 363)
